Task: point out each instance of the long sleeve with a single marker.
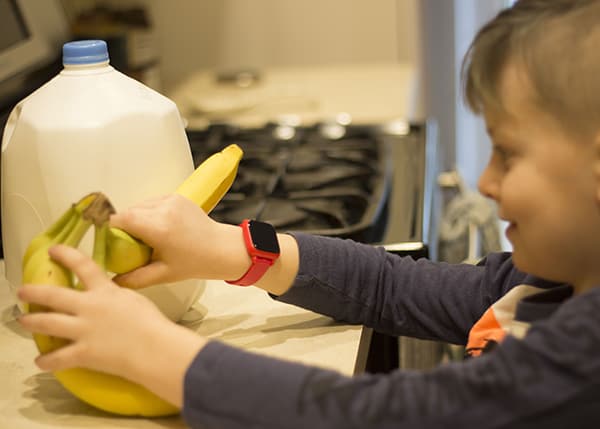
(362, 284)
(549, 379)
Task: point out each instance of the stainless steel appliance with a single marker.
(369, 183)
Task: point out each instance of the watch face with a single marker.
(263, 236)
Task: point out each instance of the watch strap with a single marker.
(258, 268)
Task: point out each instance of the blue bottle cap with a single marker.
(85, 52)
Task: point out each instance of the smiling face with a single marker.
(544, 183)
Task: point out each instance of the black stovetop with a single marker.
(324, 179)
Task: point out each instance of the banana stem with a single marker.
(99, 210)
(77, 232)
(62, 229)
(86, 201)
(100, 242)
(99, 249)
(61, 223)
(62, 235)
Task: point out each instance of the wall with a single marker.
(197, 34)
(446, 30)
(53, 23)
(472, 143)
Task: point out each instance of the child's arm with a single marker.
(548, 379)
(189, 244)
(363, 284)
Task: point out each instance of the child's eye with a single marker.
(503, 155)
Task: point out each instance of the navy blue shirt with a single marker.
(548, 378)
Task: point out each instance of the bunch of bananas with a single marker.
(117, 252)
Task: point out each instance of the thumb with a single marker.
(136, 222)
(148, 275)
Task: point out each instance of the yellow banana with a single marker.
(105, 391)
(124, 252)
(205, 187)
(213, 178)
(113, 394)
(39, 268)
(45, 237)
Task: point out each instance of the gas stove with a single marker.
(323, 179)
(329, 179)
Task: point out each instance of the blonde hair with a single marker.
(557, 45)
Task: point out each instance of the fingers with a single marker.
(137, 222)
(123, 218)
(58, 298)
(63, 358)
(52, 324)
(90, 274)
(151, 274)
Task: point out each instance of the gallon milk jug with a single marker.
(90, 128)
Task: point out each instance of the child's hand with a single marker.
(186, 242)
(112, 329)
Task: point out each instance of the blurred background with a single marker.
(349, 112)
(180, 38)
(374, 60)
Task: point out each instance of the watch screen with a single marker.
(264, 236)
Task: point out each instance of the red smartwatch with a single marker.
(263, 248)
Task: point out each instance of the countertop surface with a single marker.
(361, 93)
(245, 317)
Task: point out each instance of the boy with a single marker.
(532, 317)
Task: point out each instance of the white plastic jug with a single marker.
(90, 128)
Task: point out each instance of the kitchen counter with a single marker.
(244, 317)
(360, 93)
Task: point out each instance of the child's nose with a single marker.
(489, 183)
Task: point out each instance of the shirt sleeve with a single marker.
(521, 384)
(363, 284)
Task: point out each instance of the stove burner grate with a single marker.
(306, 182)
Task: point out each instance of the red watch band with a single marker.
(261, 259)
(258, 268)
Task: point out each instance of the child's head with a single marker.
(534, 74)
(555, 43)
